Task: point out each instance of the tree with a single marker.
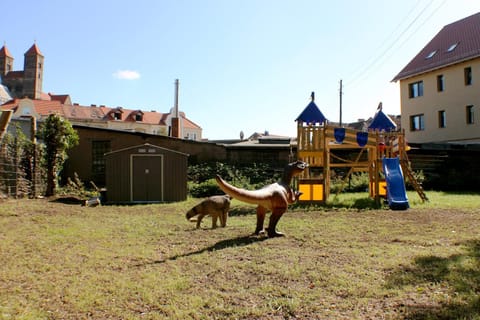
(58, 136)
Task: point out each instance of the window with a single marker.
(442, 119)
(415, 89)
(470, 115)
(452, 47)
(431, 54)
(468, 76)
(99, 148)
(138, 117)
(417, 123)
(117, 116)
(440, 83)
(191, 136)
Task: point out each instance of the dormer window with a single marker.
(116, 114)
(431, 54)
(136, 115)
(452, 47)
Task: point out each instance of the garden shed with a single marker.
(145, 174)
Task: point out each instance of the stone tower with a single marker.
(6, 61)
(33, 73)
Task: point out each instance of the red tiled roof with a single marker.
(42, 107)
(46, 107)
(78, 112)
(4, 52)
(45, 96)
(154, 117)
(83, 112)
(33, 50)
(456, 42)
(189, 124)
(149, 117)
(62, 98)
(10, 105)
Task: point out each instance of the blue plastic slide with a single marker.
(396, 192)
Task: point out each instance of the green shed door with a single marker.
(147, 178)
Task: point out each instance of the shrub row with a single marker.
(201, 178)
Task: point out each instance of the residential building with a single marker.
(440, 87)
(116, 118)
(21, 91)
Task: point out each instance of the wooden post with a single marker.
(326, 167)
(33, 139)
(377, 170)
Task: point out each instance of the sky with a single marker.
(242, 65)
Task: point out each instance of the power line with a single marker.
(361, 69)
(379, 57)
(385, 57)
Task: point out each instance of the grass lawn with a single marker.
(64, 261)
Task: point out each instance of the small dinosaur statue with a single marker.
(274, 197)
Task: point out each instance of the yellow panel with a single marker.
(305, 189)
(382, 189)
(317, 192)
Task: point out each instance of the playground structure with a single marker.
(381, 151)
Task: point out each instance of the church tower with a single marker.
(6, 61)
(33, 73)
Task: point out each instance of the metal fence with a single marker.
(20, 176)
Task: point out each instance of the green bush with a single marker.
(204, 189)
(201, 178)
(357, 182)
(419, 176)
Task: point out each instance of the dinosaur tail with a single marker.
(248, 196)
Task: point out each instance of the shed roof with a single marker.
(145, 145)
(456, 42)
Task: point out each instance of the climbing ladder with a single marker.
(408, 171)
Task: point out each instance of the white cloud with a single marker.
(126, 75)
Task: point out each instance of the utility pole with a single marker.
(341, 93)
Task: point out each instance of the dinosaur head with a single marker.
(297, 167)
(293, 169)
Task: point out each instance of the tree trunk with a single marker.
(51, 182)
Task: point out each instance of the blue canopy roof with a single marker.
(311, 114)
(382, 122)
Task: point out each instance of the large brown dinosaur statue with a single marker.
(274, 197)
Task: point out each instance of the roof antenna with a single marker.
(313, 96)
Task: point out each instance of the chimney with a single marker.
(175, 118)
(176, 98)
